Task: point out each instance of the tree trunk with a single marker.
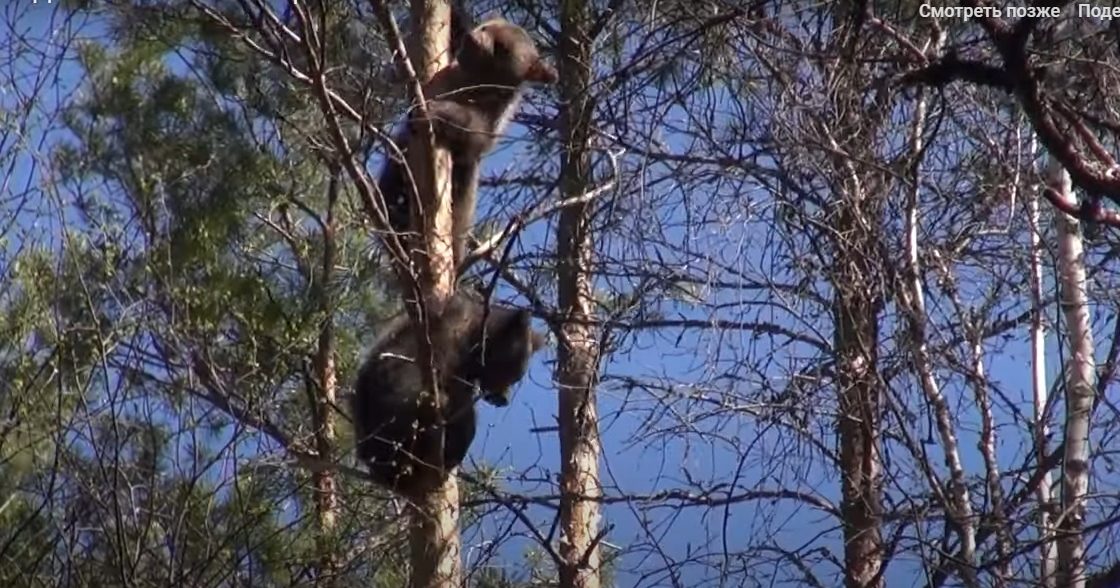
(578, 358)
(1046, 562)
(1080, 389)
(326, 391)
(857, 327)
(912, 298)
(431, 167)
(434, 536)
(857, 280)
(323, 479)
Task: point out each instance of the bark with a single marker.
(987, 445)
(913, 298)
(434, 542)
(856, 282)
(432, 167)
(324, 481)
(857, 327)
(578, 357)
(1080, 390)
(326, 376)
(1046, 563)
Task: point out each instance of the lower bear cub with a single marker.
(397, 423)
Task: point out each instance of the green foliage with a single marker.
(157, 362)
(175, 325)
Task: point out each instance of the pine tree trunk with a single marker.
(1080, 389)
(857, 281)
(578, 357)
(434, 536)
(326, 391)
(430, 52)
(860, 404)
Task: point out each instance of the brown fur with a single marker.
(399, 428)
(470, 103)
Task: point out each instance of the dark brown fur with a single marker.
(397, 425)
(470, 103)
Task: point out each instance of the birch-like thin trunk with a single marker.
(326, 489)
(577, 367)
(1080, 388)
(1046, 562)
(960, 505)
(434, 542)
(979, 382)
(326, 391)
